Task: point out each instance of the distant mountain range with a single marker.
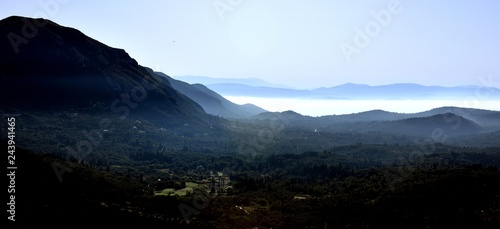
(358, 91)
(55, 69)
(205, 80)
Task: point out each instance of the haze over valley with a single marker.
(250, 114)
(349, 98)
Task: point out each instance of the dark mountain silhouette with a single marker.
(212, 102)
(48, 66)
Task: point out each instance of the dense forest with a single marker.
(344, 187)
(83, 168)
(93, 139)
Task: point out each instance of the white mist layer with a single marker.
(321, 107)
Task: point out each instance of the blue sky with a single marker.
(304, 44)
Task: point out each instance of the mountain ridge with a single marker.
(438, 124)
(212, 102)
(62, 68)
(397, 116)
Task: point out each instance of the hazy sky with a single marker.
(301, 43)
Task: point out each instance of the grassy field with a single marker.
(190, 186)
